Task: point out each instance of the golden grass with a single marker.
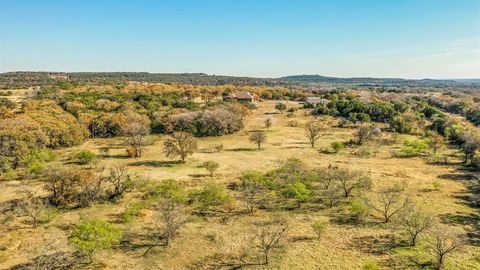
(342, 246)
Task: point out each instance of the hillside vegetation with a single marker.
(171, 176)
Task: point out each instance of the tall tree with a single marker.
(180, 144)
(313, 130)
(258, 138)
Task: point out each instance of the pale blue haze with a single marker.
(262, 38)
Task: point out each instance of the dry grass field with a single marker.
(205, 242)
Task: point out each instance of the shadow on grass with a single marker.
(241, 149)
(409, 262)
(378, 244)
(198, 175)
(293, 147)
(58, 260)
(118, 156)
(455, 176)
(226, 261)
(302, 238)
(463, 219)
(141, 243)
(428, 190)
(155, 163)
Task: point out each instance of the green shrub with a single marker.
(170, 190)
(131, 211)
(438, 159)
(85, 157)
(211, 166)
(210, 197)
(337, 146)
(92, 236)
(319, 228)
(35, 168)
(358, 211)
(371, 265)
(299, 191)
(413, 148)
(437, 185)
(48, 214)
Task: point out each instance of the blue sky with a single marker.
(263, 38)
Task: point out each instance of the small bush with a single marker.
(413, 148)
(293, 123)
(212, 197)
(211, 166)
(358, 211)
(92, 236)
(438, 159)
(371, 265)
(48, 215)
(131, 211)
(35, 168)
(85, 157)
(364, 151)
(337, 146)
(319, 228)
(437, 185)
(131, 152)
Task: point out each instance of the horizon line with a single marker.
(246, 76)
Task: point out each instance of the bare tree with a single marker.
(313, 130)
(389, 202)
(173, 219)
(121, 180)
(180, 144)
(136, 128)
(33, 207)
(269, 235)
(252, 196)
(268, 123)
(415, 222)
(364, 133)
(445, 242)
(325, 177)
(332, 194)
(257, 137)
(348, 181)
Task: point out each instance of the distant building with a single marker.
(316, 100)
(242, 96)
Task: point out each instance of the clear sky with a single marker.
(263, 38)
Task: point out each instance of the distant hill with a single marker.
(364, 80)
(27, 79)
(468, 81)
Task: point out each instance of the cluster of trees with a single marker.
(6, 107)
(70, 187)
(470, 109)
(403, 117)
(295, 183)
(41, 124)
(215, 122)
(344, 106)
